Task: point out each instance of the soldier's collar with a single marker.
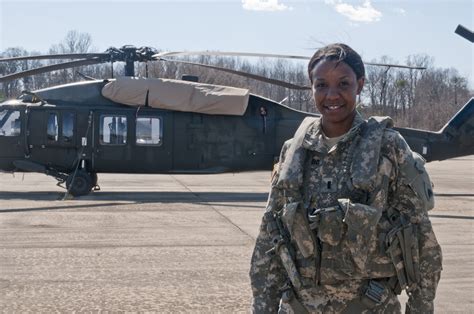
(312, 141)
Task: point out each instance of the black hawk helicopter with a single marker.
(139, 125)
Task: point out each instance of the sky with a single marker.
(390, 28)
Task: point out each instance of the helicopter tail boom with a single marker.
(455, 139)
(462, 123)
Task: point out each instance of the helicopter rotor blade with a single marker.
(395, 66)
(263, 55)
(49, 68)
(57, 56)
(244, 74)
(227, 53)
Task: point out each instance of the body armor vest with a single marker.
(347, 238)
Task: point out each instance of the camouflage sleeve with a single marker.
(421, 299)
(267, 274)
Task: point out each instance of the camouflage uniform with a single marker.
(345, 248)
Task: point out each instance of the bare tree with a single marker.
(12, 88)
(73, 42)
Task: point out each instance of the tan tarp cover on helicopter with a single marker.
(178, 95)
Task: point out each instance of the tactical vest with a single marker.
(336, 211)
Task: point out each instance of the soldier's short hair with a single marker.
(341, 53)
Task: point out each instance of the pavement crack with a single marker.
(214, 209)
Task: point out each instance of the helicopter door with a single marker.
(152, 150)
(51, 139)
(11, 133)
(112, 151)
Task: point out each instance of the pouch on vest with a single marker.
(361, 221)
(402, 247)
(296, 222)
(330, 227)
(413, 173)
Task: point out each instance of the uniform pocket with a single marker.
(331, 227)
(295, 219)
(361, 221)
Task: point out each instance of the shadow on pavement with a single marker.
(27, 209)
(453, 194)
(451, 216)
(221, 198)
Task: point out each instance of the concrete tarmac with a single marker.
(175, 243)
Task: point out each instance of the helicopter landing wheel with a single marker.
(82, 184)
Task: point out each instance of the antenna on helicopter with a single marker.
(465, 32)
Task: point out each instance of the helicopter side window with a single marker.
(148, 131)
(68, 127)
(10, 123)
(113, 130)
(52, 132)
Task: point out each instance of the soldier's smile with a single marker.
(335, 89)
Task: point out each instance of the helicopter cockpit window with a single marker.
(113, 130)
(10, 123)
(52, 131)
(148, 131)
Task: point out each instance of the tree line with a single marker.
(424, 99)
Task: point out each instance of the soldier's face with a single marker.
(335, 89)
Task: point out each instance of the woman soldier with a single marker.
(346, 227)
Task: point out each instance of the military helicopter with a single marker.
(142, 125)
